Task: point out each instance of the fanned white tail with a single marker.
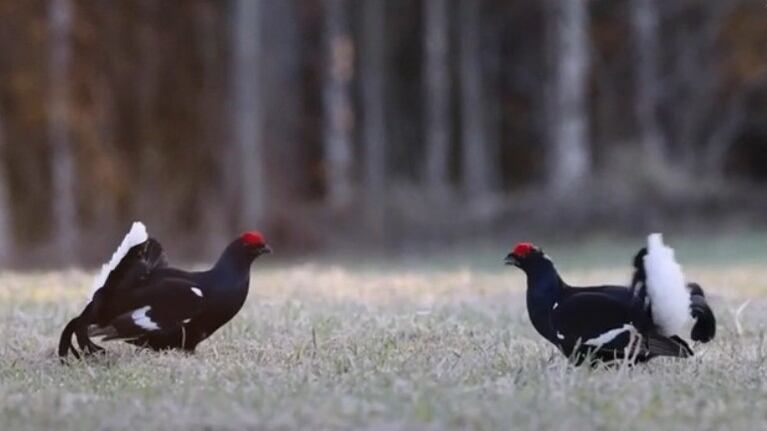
(666, 288)
(135, 236)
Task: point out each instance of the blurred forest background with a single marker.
(381, 124)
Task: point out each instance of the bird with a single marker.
(610, 323)
(139, 299)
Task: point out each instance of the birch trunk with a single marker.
(645, 26)
(60, 15)
(147, 92)
(337, 105)
(570, 155)
(374, 114)
(212, 202)
(248, 114)
(6, 227)
(282, 121)
(437, 95)
(475, 154)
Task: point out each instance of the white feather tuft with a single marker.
(135, 236)
(610, 335)
(142, 320)
(666, 288)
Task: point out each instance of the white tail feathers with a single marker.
(135, 236)
(666, 288)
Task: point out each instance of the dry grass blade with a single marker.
(336, 349)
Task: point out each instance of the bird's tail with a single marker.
(135, 236)
(639, 283)
(658, 345)
(65, 342)
(670, 300)
(704, 328)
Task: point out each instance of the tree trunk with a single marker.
(724, 134)
(645, 26)
(477, 170)
(6, 227)
(569, 152)
(147, 96)
(66, 234)
(248, 115)
(373, 72)
(282, 34)
(212, 202)
(698, 80)
(437, 95)
(337, 105)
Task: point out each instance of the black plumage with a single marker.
(602, 323)
(145, 302)
(704, 328)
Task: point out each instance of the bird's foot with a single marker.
(92, 348)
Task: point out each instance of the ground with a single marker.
(399, 346)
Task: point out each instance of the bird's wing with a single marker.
(155, 309)
(133, 269)
(593, 319)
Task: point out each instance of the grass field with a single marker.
(404, 347)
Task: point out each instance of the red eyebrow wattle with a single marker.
(253, 237)
(523, 248)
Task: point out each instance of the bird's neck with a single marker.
(234, 264)
(544, 289)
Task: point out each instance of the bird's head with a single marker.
(254, 244)
(523, 254)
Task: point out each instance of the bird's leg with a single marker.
(183, 337)
(79, 326)
(629, 352)
(65, 342)
(94, 348)
(71, 348)
(190, 348)
(86, 345)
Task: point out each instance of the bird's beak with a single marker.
(266, 249)
(511, 260)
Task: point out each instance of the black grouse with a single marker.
(137, 298)
(607, 323)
